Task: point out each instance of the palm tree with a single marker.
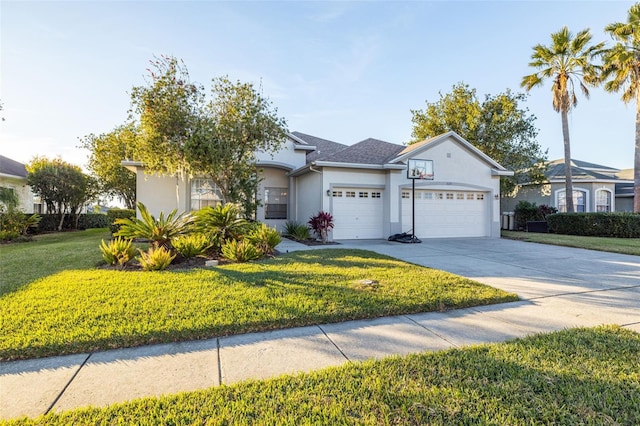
(568, 61)
(622, 71)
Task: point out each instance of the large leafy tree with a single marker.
(499, 126)
(61, 185)
(168, 109)
(621, 72)
(105, 162)
(238, 121)
(569, 62)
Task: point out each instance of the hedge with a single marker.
(114, 214)
(619, 225)
(50, 222)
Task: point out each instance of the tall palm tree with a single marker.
(622, 71)
(568, 61)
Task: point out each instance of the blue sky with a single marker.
(343, 71)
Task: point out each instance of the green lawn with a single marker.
(614, 245)
(577, 376)
(81, 310)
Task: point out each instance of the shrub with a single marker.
(264, 238)
(6, 235)
(240, 251)
(618, 225)
(526, 211)
(161, 231)
(114, 214)
(321, 223)
(119, 251)
(221, 223)
(49, 222)
(155, 259)
(296, 230)
(191, 245)
(16, 223)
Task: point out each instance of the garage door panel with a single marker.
(447, 214)
(359, 215)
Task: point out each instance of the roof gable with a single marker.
(324, 147)
(427, 144)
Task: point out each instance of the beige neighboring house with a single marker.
(13, 175)
(596, 188)
(364, 186)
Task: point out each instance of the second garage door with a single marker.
(447, 213)
(357, 213)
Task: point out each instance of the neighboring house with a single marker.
(13, 175)
(596, 188)
(364, 186)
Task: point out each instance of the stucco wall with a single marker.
(158, 193)
(309, 196)
(22, 190)
(287, 155)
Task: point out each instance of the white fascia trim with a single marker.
(348, 165)
(132, 165)
(299, 171)
(496, 172)
(296, 139)
(389, 166)
(275, 164)
(304, 147)
(300, 143)
(16, 177)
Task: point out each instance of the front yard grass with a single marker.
(76, 311)
(613, 245)
(577, 376)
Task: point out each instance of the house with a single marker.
(596, 188)
(365, 186)
(13, 175)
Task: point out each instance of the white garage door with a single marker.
(357, 213)
(447, 213)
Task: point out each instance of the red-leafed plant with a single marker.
(321, 223)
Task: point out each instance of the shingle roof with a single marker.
(368, 151)
(324, 147)
(582, 170)
(12, 167)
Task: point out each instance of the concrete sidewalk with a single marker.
(553, 298)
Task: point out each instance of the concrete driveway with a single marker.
(580, 287)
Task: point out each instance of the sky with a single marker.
(343, 71)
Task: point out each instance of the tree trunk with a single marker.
(636, 162)
(567, 163)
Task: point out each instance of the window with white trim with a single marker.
(470, 196)
(204, 193)
(376, 195)
(479, 196)
(579, 201)
(337, 194)
(406, 194)
(276, 201)
(418, 195)
(603, 200)
(439, 196)
(363, 194)
(428, 195)
(350, 194)
(449, 196)
(459, 196)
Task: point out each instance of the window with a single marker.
(449, 196)
(470, 196)
(204, 193)
(275, 203)
(406, 194)
(479, 196)
(439, 196)
(428, 195)
(376, 195)
(418, 195)
(362, 194)
(603, 200)
(579, 201)
(351, 194)
(459, 196)
(337, 193)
